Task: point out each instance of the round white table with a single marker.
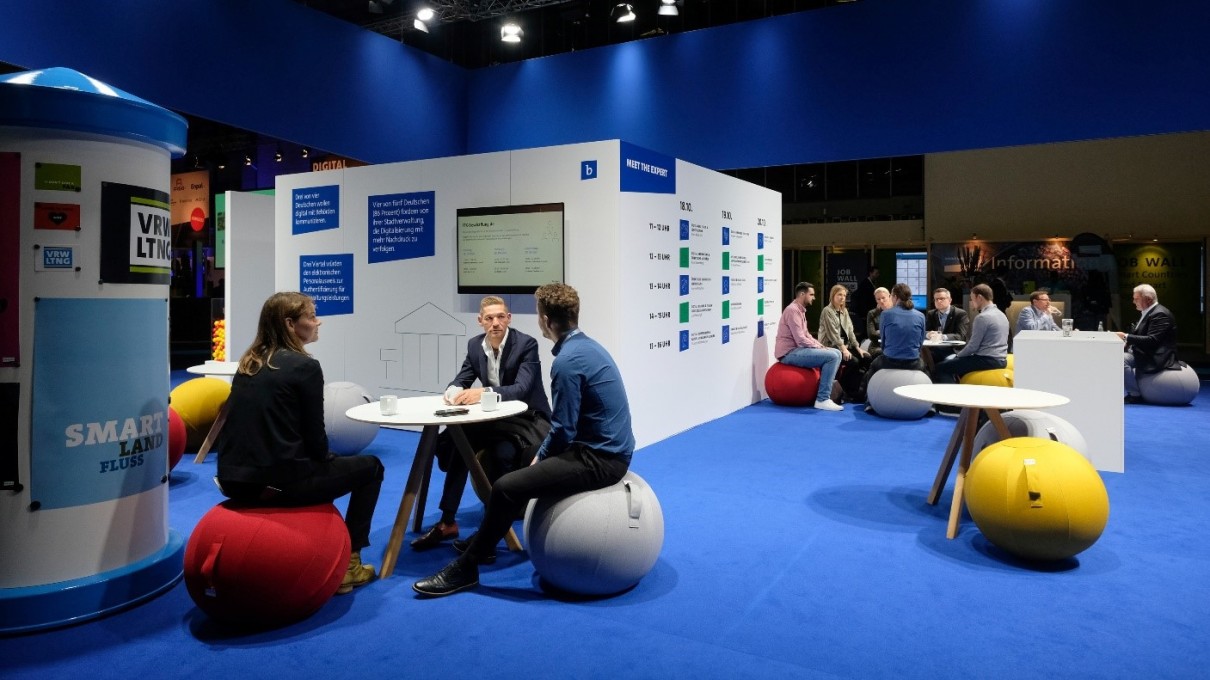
(972, 399)
(931, 351)
(215, 368)
(422, 411)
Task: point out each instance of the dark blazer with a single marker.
(957, 323)
(275, 423)
(520, 370)
(1153, 341)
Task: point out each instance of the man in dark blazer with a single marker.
(1151, 345)
(946, 321)
(505, 361)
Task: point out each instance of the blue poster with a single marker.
(400, 226)
(315, 209)
(646, 172)
(100, 400)
(328, 279)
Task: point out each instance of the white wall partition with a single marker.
(249, 260)
(650, 243)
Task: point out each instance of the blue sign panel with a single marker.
(588, 170)
(57, 257)
(401, 226)
(684, 284)
(100, 408)
(315, 209)
(684, 344)
(646, 172)
(328, 279)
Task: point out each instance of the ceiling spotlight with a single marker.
(420, 25)
(277, 156)
(247, 159)
(425, 14)
(306, 153)
(668, 8)
(511, 33)
(623, 12)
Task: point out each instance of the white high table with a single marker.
(973, 399)
(223, 370)
(1087, 367)
(422, 411)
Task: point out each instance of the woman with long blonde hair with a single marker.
(273, 449)
(836, 331)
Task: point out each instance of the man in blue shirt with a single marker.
(1039, 315)
(589, 445)
(902, 329)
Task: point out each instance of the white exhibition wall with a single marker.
(249, 267)
(650, 243)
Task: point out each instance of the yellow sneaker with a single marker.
(357, 574)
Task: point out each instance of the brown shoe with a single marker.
(434, 536)
(357, 574)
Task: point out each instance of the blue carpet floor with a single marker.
(798, 544)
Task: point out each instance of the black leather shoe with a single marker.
(460, 546)
(432, 538)
(1132, 399)
(454, 578)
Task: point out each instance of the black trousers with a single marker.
(507, 445)
(359, 476)
(577, 469)
(950, 370)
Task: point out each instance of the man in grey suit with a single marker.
(1151, 344)
(988, 344)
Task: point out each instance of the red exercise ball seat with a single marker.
(257, 567)
(789, 385)
(177, 436)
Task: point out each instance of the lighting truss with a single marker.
(446, 11)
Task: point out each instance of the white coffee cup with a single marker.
(489, 401)
(388, 404)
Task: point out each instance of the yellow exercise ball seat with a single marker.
(995, 377)
(1036, 498)
(197, 402)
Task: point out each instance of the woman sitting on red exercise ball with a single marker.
(273, 450)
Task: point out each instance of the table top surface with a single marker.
(944, 343)
(1076, 336)
(215, 368)
(422, 411)
(981, 396)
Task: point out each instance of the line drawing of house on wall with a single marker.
(430, 339)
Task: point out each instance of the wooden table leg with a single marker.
(424, 453)
(997, 422)
(215, 428)
(479, 480)
(947, 461)
(423, 495)
(964, 463)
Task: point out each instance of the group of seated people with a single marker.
(273, 450)
(897, 333)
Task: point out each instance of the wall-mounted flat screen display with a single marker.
(509, 249)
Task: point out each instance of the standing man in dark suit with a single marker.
(863, 298)
(1151, 346)
(504, 361)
